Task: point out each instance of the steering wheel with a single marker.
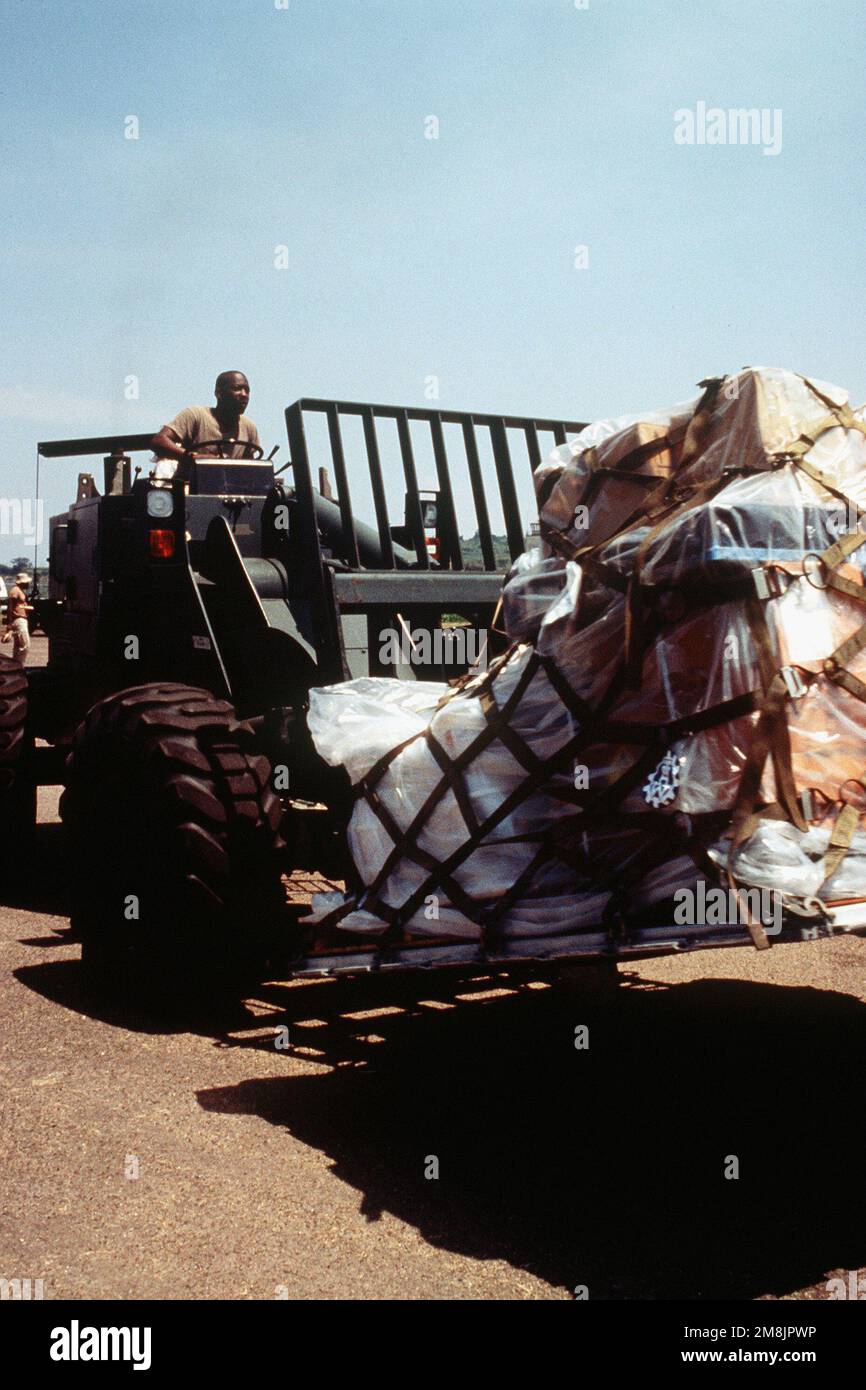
(252, 452)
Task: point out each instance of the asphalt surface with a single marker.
(141, 1159)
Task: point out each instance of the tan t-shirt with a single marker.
(198, 424)
(17, 604)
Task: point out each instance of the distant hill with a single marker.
(472, 558)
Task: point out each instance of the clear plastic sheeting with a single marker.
(348, 713)
(789, 861)
(758, 416)
(761, 518)
(677, 639)
(355, 723)
(534, 584)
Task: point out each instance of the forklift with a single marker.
(187, 621)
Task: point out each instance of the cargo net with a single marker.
(683, 703)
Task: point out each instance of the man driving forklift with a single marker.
(212, 431)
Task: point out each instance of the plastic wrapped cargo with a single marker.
(688, 664)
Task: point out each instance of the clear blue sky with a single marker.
(411, 257)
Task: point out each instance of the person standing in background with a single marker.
(17, 627)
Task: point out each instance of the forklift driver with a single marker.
(198, 428)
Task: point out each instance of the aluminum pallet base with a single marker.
(642, 943)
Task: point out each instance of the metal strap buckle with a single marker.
(793, 681)
(767, 582)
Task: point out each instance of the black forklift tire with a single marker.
(13, 717)
(15, 798)
(173, 837)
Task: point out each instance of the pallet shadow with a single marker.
(601, 1167)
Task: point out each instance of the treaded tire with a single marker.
(172, 831)
(13, 717)
(17, 792)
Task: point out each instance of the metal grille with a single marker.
(496, 426)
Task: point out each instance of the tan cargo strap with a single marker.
(841, 549)
(834, 665)
(770, 738)
(844, 586)
(559, 542)
(828, 400)
(636, 609)
(624, 467)
(818, 476)
(845, 679)
(725, 878)
(698, 425)
(839, 843)
(672, 839)
(771, 733)
(702, 591)
(754, 926)
(585, 555)
(657, 516)
(481, 679)
(665, 501)
(634, 458)
(767, 730)
(840, 417)
(843, 654)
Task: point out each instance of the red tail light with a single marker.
(161, 545)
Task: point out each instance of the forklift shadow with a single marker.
(602, 1166)
(37, 880)
(64, 982)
